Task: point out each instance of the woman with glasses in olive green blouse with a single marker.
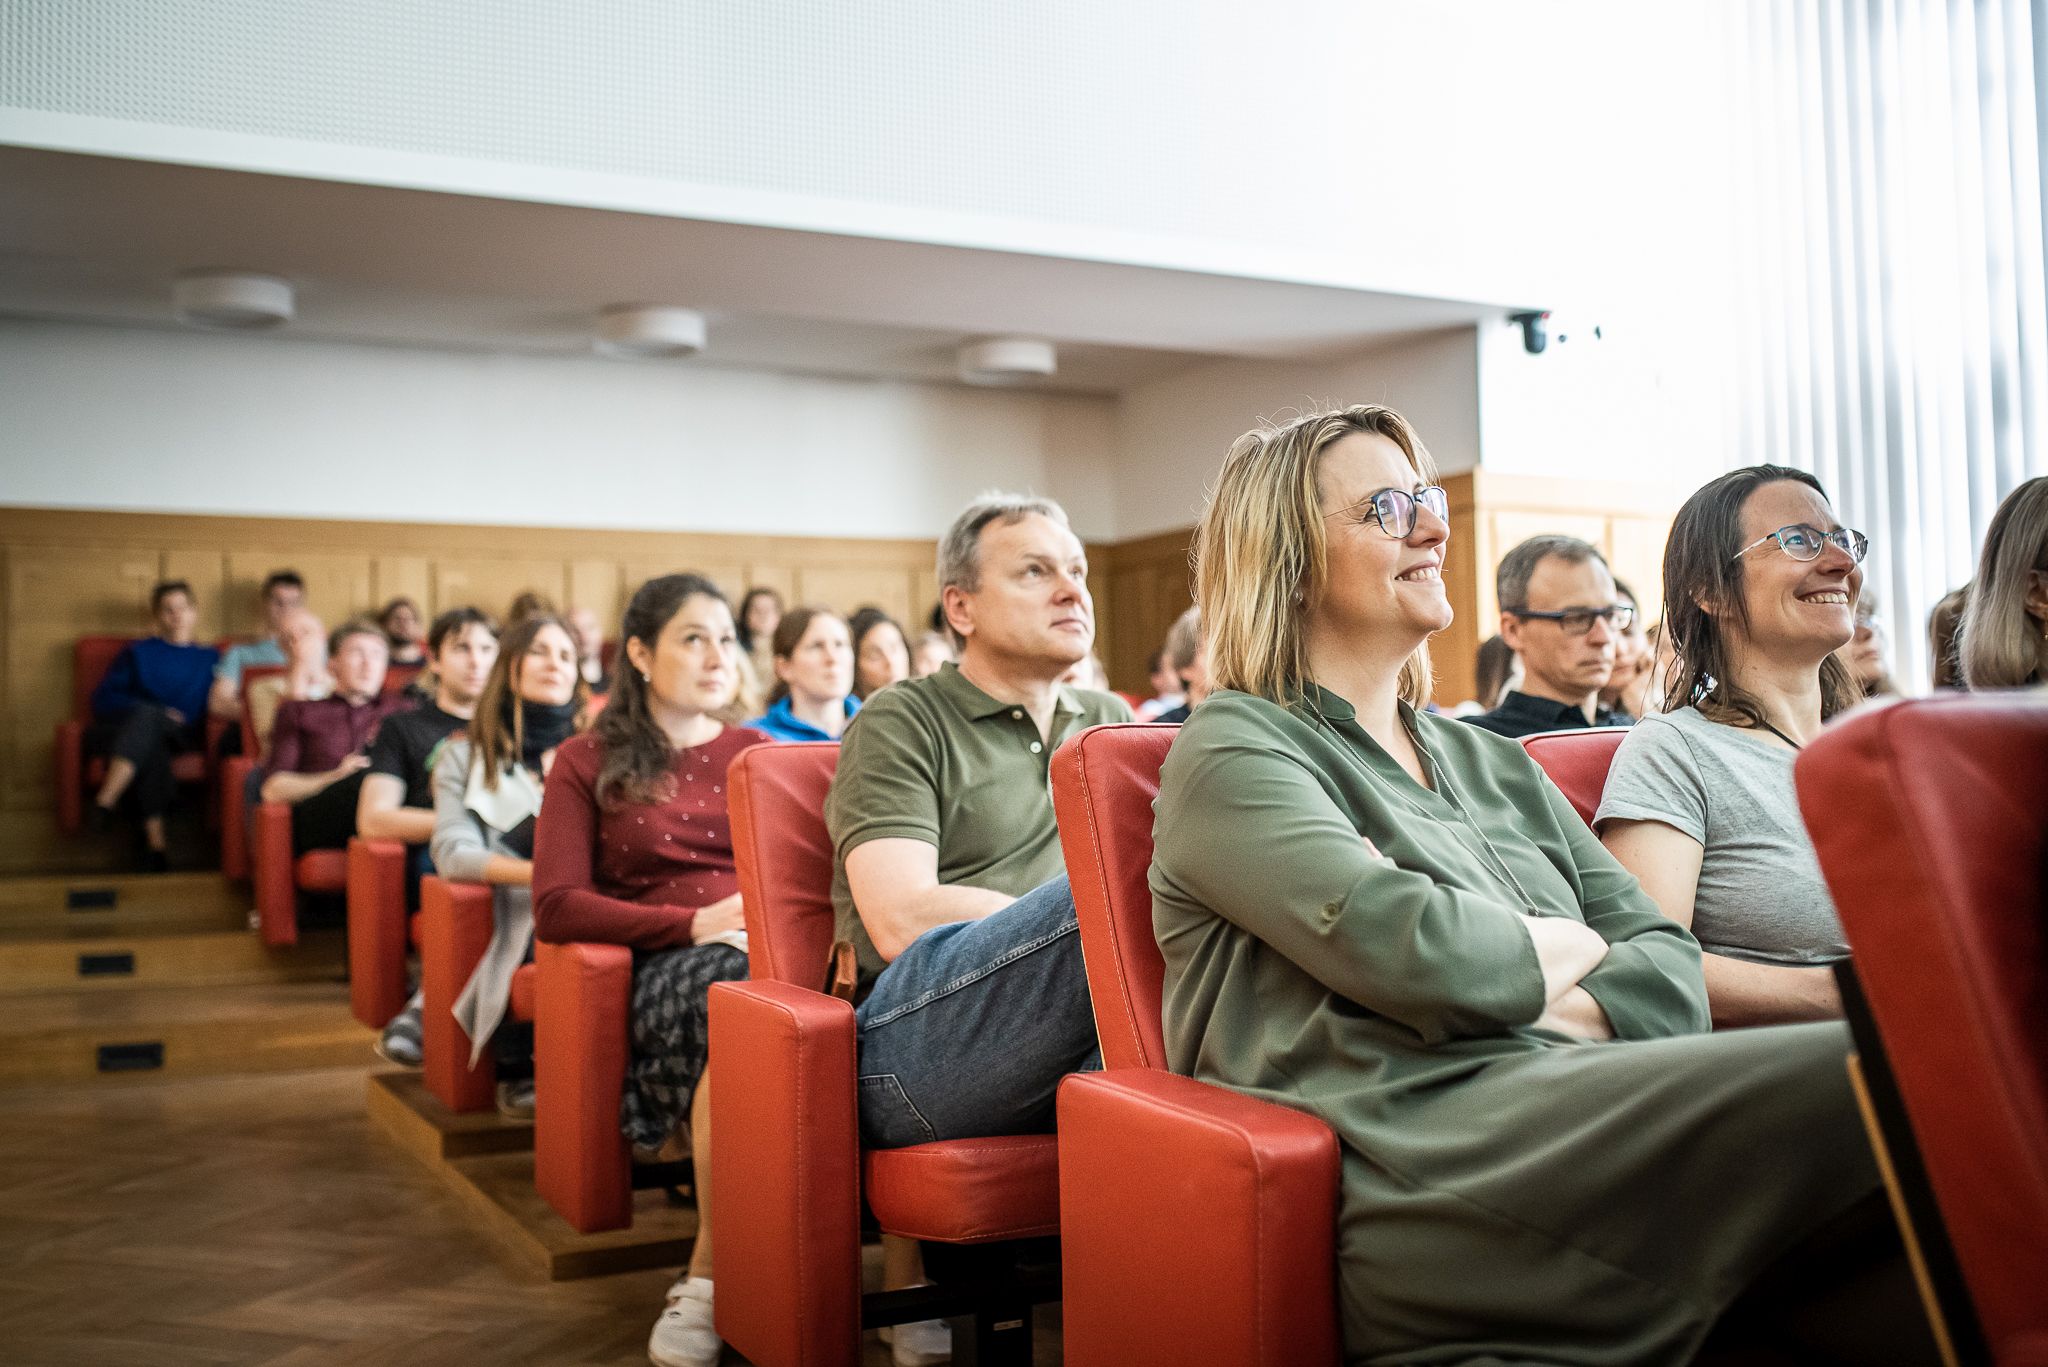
(1394, 922)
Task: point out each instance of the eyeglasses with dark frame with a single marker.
(1803, 541)
(1579, 621)
(1395, 509)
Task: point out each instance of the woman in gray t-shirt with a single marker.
(1760, 588)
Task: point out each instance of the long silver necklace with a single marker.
(1499, 867)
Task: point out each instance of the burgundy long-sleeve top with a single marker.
(312, 735)
(635, 873)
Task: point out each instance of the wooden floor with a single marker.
(237, 1204)
(261, 1219)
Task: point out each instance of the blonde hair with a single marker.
(1999, 645)
(1262, 554)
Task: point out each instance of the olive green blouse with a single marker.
(1300, 962)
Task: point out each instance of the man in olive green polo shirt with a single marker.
(947, 876)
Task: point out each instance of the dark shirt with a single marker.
(1521, 715)
(312, 735)
(1174, 716)
(406, 745)
(152, 670)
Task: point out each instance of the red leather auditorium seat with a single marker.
(79, 775)
(786, 1146)
(577, 996)
(378, 930)
(1930, 818)
(1199, 1224)
(1577, 762)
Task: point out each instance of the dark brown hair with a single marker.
(1701, 571)
(497, 733)
(638, 759)
(789, 633)
(864, 622)
(739, 617)
(166, 589)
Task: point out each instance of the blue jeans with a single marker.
(970, 1030)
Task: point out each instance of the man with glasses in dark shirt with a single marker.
(1560, 612)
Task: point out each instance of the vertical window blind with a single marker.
(1886, 210)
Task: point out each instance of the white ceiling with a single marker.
(98, 239)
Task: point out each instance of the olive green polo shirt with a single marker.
(938, 760)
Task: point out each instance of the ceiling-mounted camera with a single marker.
(1541, 327)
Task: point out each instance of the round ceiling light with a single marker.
(231, 299)
(1007, 360)
(643, 331)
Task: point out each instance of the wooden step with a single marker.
(415, 1118)
(489, 1167)
(83, 1036)
(100, 960)
(125, 903)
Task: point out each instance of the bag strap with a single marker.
(842, 975)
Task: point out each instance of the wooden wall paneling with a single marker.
(634, 573)
(763, 575)
(403, 576)
(1636, 551)
(924, 596)
(491, 582)
(600, 585)
(338, 585)
(207, 573)
(1454, 652)
(845, 588)
(54, 596)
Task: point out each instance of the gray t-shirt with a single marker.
(1760, 895)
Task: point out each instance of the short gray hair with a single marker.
(1518, 566)
(960, 549)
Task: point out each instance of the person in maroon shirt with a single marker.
(315, 742)
(634, 848)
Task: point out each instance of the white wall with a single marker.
(1172, 433)
(1490, 150)
(1647, 403)
(101, 417)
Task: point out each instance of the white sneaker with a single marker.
(923, 1343)
(684, 1335)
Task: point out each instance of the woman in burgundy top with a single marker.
(634, 848)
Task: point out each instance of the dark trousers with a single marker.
(148, 738)
(327, 819)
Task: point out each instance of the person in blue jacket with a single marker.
(813, 694)
(149, 707)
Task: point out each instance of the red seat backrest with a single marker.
(91, 657)
(1103, 782)
(1577, 762)
(1930, 818)
(397, 677)
(776, 797)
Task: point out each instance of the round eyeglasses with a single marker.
(1804, 542)
(1395, 509)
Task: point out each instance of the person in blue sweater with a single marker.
(149, 707)
(813, 694)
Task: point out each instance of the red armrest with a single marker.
(376, 930)
(786, 1150)
(69, 759)
(455, 929)
(580, 1160)
(277, 883)
(1196, 1225)
(234, 817)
